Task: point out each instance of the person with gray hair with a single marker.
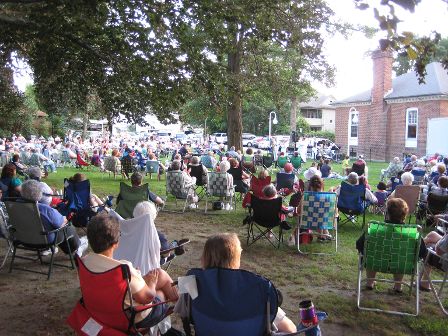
(35, 173)
(353, 179)
(52, 219)
(392, 170)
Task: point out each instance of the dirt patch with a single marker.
(32, 305)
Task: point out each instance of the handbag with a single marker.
(218, 205)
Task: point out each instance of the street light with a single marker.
(274, 121)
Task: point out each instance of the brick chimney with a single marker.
(382, 74)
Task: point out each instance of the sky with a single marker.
(354, 72)
(353, 67)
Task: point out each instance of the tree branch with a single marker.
(21, 1)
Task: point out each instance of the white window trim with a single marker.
(353, 141)
(411, 142)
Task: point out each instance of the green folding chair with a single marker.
(391, 249)
(296, 162)
(281, 161)
(129, 197)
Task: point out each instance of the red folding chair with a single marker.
(102, 307)
(256, 188)
(80, 161)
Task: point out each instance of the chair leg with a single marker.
(12, 258)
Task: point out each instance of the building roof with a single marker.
(406, 86)
(320, 101)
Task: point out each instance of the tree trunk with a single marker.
(85, 125)
(234, 114)
(293, 115)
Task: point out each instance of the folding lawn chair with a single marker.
(264, 215)
(419, 177)
(111, 166)
(411, 195)
(153, 167)
(281, 161)
(5, 234)
(234, 302)
(285, 182)
(129, 197)
(351, 202)
(106, 307)
(218, 188)
(391, 249)
(177, 187)
(29, 234)
(76, 202)
(66, 160)
(318, 212)
(296, 162)
(268, 160)
(435, 205)
(80, 162)
(379, 208)
(440, 265)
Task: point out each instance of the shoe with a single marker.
(48, 252)
(424, 289)
(180, 249)
(285, 226)
(394, 290)
(193, 206)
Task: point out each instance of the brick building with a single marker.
(391, 118)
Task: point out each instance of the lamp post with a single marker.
(273, 121)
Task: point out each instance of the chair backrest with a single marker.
(198, 172)
(130, 197)
(318, 210)
(257, 185)
(152, 166)
(77, 194)
(4, 222)
(268, 160)
(218, 184)
(296, 162)
(34, 160)
(175, 182)
(26, 224)
(437, 203)
(266, 212)
(381, 197)
(232, 302)
(110, 164)
(391, 248)
(104, 294)
(281, 161)
(410, 194)
(207, 161)
(351, 197)
(285, 180)
(248, 159)
(139, 243)
(80, 160)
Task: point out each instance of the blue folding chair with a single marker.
(351, 202)
(285, 181)
(153, 167)
(76, 203)
(235, 302)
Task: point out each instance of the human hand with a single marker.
(152, 277)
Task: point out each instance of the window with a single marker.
(411, 127)
(311, 113)
(353, 125)
(354, 120)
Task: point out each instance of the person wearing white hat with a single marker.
(310, 172)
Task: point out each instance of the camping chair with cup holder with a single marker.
(153, 167)
(130, 196)
(210, 296)
(281, 161)
(268, 161)
(285, 183)
(435, 205)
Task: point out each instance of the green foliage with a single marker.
(419, 51)
(403, 63)
(322, 134)
(31, 99)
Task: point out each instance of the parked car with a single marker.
(263, 143)
(248, 139)
(220, 137)
(182, 138)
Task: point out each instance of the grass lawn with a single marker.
(330, 281)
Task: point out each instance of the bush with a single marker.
(322, 134)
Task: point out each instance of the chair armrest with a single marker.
(62, 228)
